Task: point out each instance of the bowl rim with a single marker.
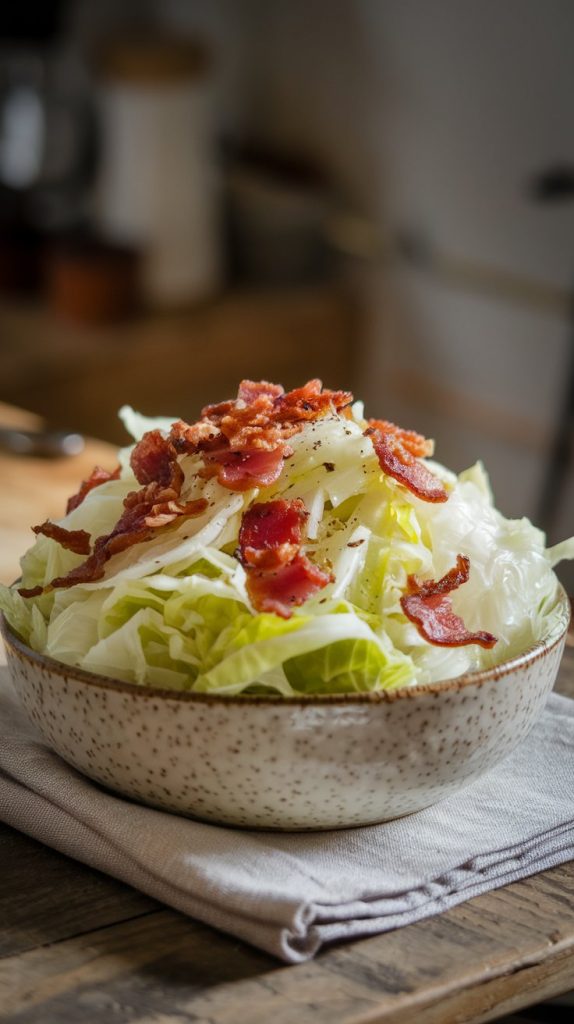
(532, 653)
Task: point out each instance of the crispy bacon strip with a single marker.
(287, 587)
(428, 605)
(190, 438)
(30, 591)
(144, 512)
(241, 470)
(166, 513)
(279, 576)
(397, 461)
(155, 505)
(414, 443)
(78, 541)
(248, 436)
(271, 533)
(97, 476)
(154, 461)
(250, 390)
(310, 403)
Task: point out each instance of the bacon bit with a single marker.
(279, 576)
(271, 533)
(97, 476)
(78, 541)
(214, 412)
(30, 591)
(289, 586)
(145, 511)
(397, 461)
(190, 438)
(414, 443)
(241, 470)
(249, 390)
(254, 427)
(259, 421)
(310, 403)
(162, 515)
(154, 461)
(427, 605)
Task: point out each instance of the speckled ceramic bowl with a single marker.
(276, 763)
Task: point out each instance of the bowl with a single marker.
(270, 762)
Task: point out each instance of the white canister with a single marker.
(158, 184)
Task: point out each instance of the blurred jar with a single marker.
(46, 143)
(158, 179)
(90, 281)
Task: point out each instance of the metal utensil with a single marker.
(48, 444)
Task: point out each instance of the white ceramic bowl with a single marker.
(269, 762)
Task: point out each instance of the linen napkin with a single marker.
(291, 893)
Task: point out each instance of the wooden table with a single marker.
(77, 946)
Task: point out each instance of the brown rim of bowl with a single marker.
(531, 654)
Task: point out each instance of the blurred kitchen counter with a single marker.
(77, 376)
(34, 489)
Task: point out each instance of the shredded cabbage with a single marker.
(175, 612)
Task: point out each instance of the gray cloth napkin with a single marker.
(290, 893)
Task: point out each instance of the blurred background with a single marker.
(376, 192)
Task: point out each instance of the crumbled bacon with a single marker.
(244, 443)
(428, 605)
(247, 436)
(414, 443)
(310, 403)
(271, 533)
(249, 390)
(397, 461)
(30, 591)
(190, 438)
(166, 513)
(255, 427)
(287, 587)
(241, 470)
(144, 512)
(154, 460)
(279, 575)
(97, 476)
(78, 541)
(158, 503)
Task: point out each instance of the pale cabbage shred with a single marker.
(174, 612)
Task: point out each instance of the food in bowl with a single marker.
(283, 544)
(313, 761)
(284, 616)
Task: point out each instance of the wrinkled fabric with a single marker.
(291, 893)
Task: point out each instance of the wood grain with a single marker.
(500, 951)
(46, 897)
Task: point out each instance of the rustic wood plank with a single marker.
(46, 897)
(497, 952)
(154, 963)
